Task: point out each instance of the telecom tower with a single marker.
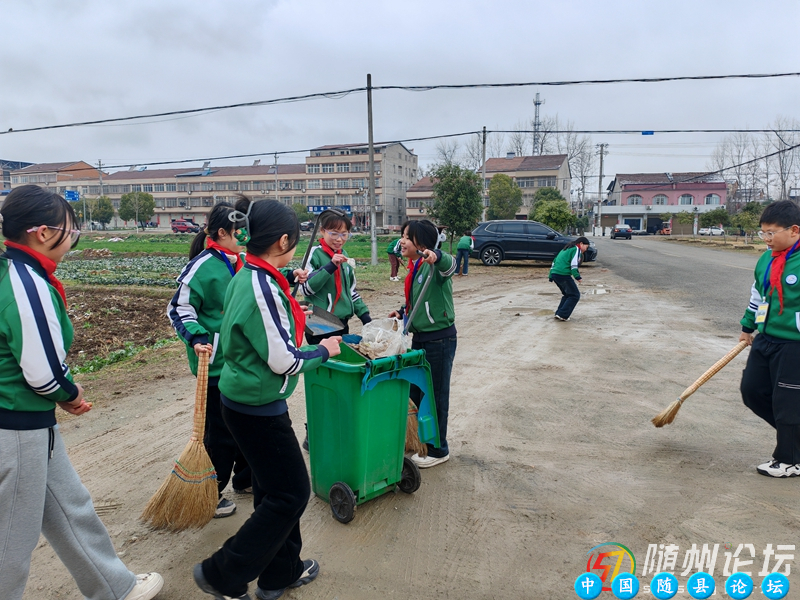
(537, 125)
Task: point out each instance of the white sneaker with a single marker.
(225, 508)
(429, 461)
(774, 468)
(147, 586)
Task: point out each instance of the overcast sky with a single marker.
(75, 60)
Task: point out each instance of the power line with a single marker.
(336, 95)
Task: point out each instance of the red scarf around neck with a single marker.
(298, 315)
(329, 251)
(412, 272)
(48, 265)
(233, 258)
(776, 272)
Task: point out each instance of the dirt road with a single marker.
(552, 453)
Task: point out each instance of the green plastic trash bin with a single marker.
(356, 412)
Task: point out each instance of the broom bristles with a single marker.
(413, 443)
(189, 495)
(667, 416)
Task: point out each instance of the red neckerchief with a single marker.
(233, 258)
(298, 315)
(48, 265)
(776, 272)
(329, 251)
(410, 281)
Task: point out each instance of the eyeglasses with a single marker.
(768, 235)
(74, 234)
(337, 235)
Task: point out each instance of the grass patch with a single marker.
(127, 351)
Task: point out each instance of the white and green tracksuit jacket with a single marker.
(35, 336)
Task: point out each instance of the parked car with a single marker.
(621, 230)
(307, 226)
(184, 226)
(496, 241)
(711, 231)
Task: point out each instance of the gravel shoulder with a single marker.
(552, 453)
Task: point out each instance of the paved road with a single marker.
(714, 283)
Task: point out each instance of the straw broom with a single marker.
(413, 443)
(667, 416)
(188, 497)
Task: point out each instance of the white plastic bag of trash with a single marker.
(384, 337)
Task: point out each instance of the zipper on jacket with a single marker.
(428, 311)
(214, 349)
(51, 446)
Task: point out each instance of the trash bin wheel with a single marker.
(343, 502)
(410, 478)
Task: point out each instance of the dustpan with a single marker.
(322, 322)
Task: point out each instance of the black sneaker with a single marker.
(309, 574)
(225, 508)
(305, 441)
(204, 586)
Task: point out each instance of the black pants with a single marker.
(771, 389)
(221, 447)
(316, 339)
(440, 355)
(268, 545)
(571, 295)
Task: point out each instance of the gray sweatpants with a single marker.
(42, 494)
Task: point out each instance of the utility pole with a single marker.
(276, 176)
(372, 211)
(602, 148)
(537, 125)
(483, 175)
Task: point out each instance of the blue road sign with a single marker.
(71, 195)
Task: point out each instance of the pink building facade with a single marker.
(641, 199)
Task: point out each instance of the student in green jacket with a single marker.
(565, 267)
(433, 326)
(196, 315)
(393, 250)
(261, 334)
(770, 382)
(331, 282)
(464, 247)
(40, 492)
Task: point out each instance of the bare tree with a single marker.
(780, 140)
(447, 151)
(472, 157)
(547, 135)
(495, 145)
(518, 140)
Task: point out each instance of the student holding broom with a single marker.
(433, 325)
(196, 315)
(771, 380)
(261, 334)
(564, 268)
(40, 492)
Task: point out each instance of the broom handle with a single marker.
(715, 368)
(199, 426)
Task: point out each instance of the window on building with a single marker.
(147, 187)
(327, 168)
(634, 200)
(312, 169)
(328, 184)
(660, 200)
(358, 167)
(298, 184)
(359, 183)
(194, 187)
(342, 167)
(545, 182)
(313, 184)
(171, 187)
(244, 186)
(158, 187)
(712, 199)
(136, 187)
(686, 199)
(206, 187)
(285, 185)
(342, 183)
(220, 186)
(233, 186)
(159, 202)
(172, 202)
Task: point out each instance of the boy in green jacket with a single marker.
(770, 382)
(565, 267)
(393, 250)
(464, 247)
